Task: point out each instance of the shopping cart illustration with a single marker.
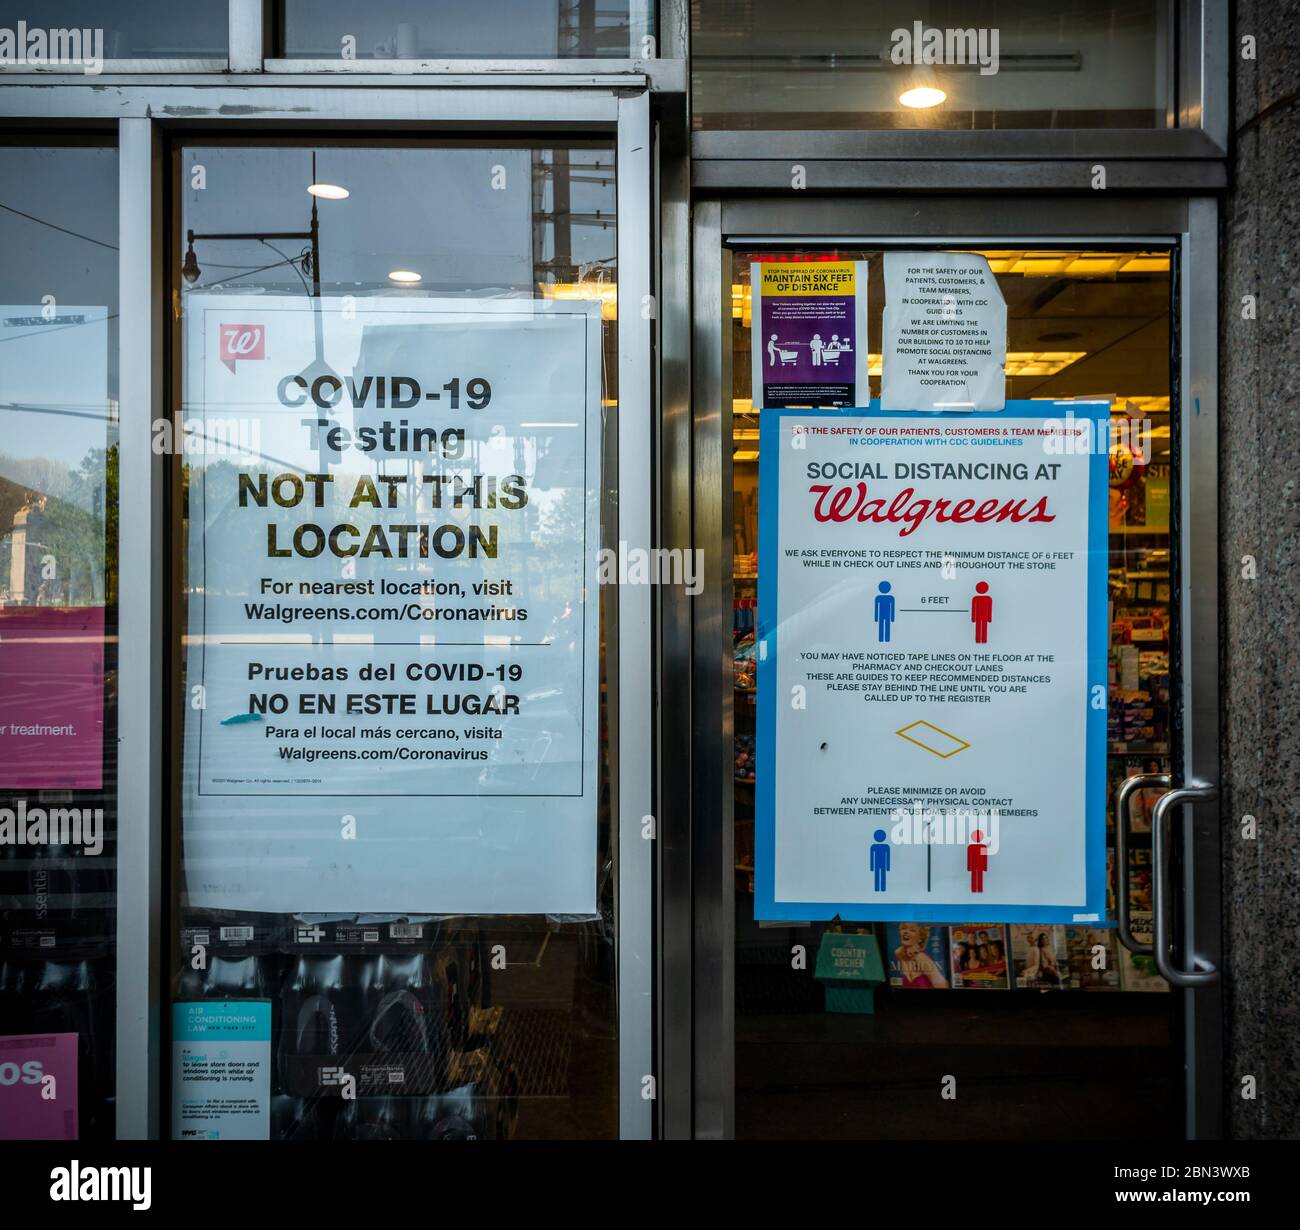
(787, 356)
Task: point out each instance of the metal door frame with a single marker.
(143, 111)
(1191, 224)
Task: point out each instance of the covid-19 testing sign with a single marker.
(932, 664)
(392, 632)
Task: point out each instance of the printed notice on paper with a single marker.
(221, 1070)
(809, 333)
(932, 665)
(945, 333)
(392, 652)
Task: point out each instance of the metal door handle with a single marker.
(1204, 971)
(1139, 781)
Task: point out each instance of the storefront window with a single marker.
(394, 850)
(1083, 325)
(991, 64)
(488, 29)
(118, 30)
(58, 660)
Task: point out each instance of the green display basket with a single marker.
(850, 969)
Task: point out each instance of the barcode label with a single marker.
(406, 931)
(35, 939)
(240, 934)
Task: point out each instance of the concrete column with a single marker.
(1260, 528)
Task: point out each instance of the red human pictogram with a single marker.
(981, 612)
(977, 861)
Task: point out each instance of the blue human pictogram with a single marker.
(883, 612)
(880, 859)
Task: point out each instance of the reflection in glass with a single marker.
(986, 64)
(58, 596)
(456, 1019)
(129, 29)
(486, 29)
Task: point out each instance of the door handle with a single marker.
(1127, 788)
(1203, 972)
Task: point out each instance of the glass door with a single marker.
(396, 868)
(991, 1026)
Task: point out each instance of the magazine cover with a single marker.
(1143, 801)
(1090, 969)
(979, 956)
(1139, 880)
(1038, 951)
(918, 956)
(1139, 973)
(1110, 881)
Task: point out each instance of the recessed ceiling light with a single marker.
(922, 96)
(328, 192)
(404, 275)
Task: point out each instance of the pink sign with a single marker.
(38, 1087)
(51, 698)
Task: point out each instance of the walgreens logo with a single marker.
(241, 342)
(908, 510)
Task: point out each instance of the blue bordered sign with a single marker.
(932, 664)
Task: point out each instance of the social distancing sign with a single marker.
(932, 664)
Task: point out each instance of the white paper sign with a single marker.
(932, 666)
(945, 333)
(392, 615)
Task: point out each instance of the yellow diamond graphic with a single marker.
(940, 742)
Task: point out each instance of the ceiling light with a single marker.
(1040, 266)
(1148, 404)
(1041, 362)
(1147, 264)
(605, 292)
(405, 276)
(328, 192)
(1085, 265)
(921, 96)
(922, 89)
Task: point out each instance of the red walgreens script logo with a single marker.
(241, 342)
